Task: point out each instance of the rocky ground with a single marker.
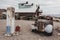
(25, 33)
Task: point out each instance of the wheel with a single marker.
(50, 34)
(33, 30)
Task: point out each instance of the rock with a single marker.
(58, 29)
(58, 34)
(48, 28)
(39, 39)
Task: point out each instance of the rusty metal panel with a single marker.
(40, 26)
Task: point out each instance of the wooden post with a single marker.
(0, 14)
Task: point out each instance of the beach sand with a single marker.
(25, 33)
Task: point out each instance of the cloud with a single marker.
(48, 6)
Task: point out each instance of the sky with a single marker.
(48, 6)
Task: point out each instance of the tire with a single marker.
(48, 34)
(33, 30)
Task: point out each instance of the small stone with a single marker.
(39, 39)
(59, 34)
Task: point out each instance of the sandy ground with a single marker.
(26, 33)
